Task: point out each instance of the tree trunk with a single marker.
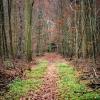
(28, 26)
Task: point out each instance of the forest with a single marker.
(49, 49)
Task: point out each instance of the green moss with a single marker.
(90, 96)
(21, 87)
(69, 86)
(38, 72)
(34, 80)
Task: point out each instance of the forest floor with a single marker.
(49, 89)
(53, 78)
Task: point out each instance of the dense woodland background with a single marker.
(30, 27)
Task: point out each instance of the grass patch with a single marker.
(37, 72)
(34, 80)
(69, 86)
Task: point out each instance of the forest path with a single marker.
(48, 91)
(49, 88)
(53, 78)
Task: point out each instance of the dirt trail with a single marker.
(48, 90)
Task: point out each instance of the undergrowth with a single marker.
(69, 86)
(32, 82)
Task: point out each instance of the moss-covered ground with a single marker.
(34, 79)
(70, 87)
